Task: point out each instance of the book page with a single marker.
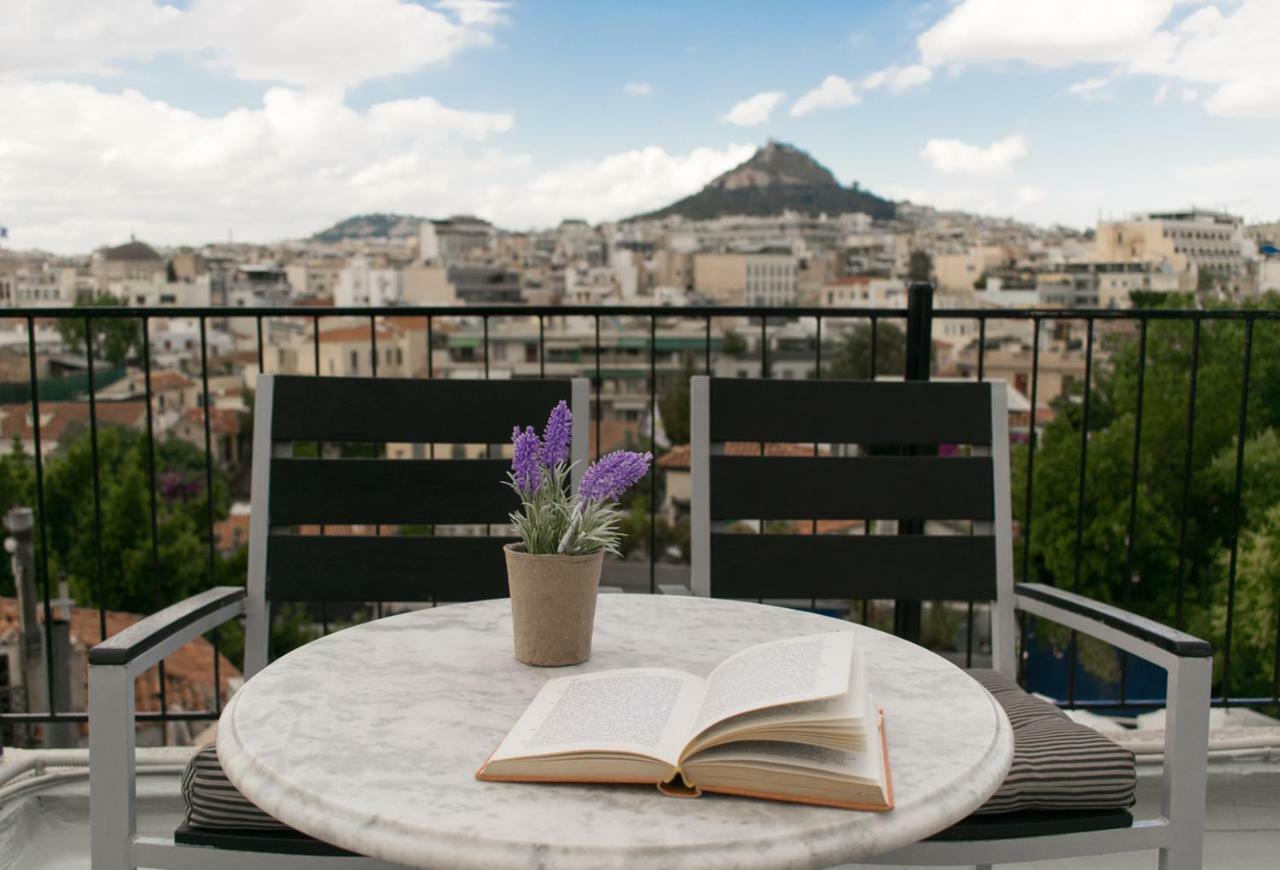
(643, 711)
(781, 672)
(841, 718)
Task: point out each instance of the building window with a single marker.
(355, 361)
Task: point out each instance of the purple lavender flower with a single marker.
(612, 474)
(526, 463)
(557, 435)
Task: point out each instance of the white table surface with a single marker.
(370, 737)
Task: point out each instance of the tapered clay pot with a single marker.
(553, 605)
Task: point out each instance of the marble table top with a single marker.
(369, 739)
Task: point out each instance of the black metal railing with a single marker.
(1103, 329)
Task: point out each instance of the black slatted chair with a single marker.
(1069, 790)
(292, 496)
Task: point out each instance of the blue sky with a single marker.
(188, 121)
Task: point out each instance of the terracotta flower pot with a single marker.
(553, 605)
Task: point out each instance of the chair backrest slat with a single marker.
(871, 487)
(362, 568)
(403, 491)
(409, 410)
(887, 566)
(850, 412)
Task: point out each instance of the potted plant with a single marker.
(554, 570)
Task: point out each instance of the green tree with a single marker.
(732, 344)
(1163, 558)
(920, 266)
(114, 338)
(673, 404)
(851, 356)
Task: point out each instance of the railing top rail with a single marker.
(691, 311)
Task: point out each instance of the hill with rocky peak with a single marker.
(777, 178)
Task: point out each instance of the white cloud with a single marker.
(638, 89)
(951, 156)
(1231, 53)
(1049, 33)
(1092, 90)
(898, 78)
(622, 184)
(834, 93)
(80, 168)
(335, 44)
(1162, 94)
(1234, 54)
(754, 110)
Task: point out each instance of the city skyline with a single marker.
(181, 122)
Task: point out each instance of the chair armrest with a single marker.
(1170, 640)
(176, 622)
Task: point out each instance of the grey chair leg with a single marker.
(1186, 749)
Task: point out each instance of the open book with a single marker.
(789, 720)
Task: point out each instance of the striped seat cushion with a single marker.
(213, 802)
(1058, 764)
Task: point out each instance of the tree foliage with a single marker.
(673, 404)
(1164, 558)
(920, 266)
(114, 338)
(851, 356)
(131, 580)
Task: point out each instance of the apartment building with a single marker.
(763, 277)
(1188, 242)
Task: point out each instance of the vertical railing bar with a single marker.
(208, 443)
(373, 354)
(315, 343)
(44, 532)
(1134, 467)
(598, 409)
(151, 481)
(707, 345)
(431, 373)
(208, 496)
(871, 376)
(968, 639)
(484, 320)
(817, 376)
(1031, 451)
(982, 370)
(764, 347)
(542, 347)
(1186, 471)
(315, 352)
(1241, 430)
(1080, 496)
(261, 367)
(875, 338)
(1084, 454)
(653, 445)
(97, 480)
(982, 348)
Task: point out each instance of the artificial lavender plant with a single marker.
(552, 519)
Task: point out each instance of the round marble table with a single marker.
(370, 738)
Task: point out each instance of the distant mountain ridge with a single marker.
(371, 226)
(777, 178)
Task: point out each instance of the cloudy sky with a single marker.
(187, 120)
